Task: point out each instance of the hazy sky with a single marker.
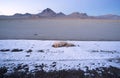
(91, 7)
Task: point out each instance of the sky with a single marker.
(91, 7)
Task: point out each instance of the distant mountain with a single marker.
(79, 15)
(108, 16)
(18, 14)
(47, 13)
(26, 14)
(60, 14)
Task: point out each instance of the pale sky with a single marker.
(91, 7)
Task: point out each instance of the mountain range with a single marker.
(49, 13)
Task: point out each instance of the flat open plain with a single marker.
(60, 29)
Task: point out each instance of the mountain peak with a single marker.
(75, 14)
(47, 12)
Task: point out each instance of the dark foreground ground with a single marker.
(22, 71)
